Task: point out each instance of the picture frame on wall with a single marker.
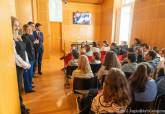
(83, 18)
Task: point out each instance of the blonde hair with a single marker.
(84, 65)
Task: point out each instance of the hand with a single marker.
(36, 42)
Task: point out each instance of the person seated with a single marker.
(89, 53)
(82, 48)
(105, 46)
(96, 58)
(123, 57)
(161, 82)
(151, 58)
(131, 66)
(111, 61)
(95, 48)
(116, 95)
(74, 61)
(146, 48)
(137, 43)
(162, 59)
(140, 55)
(115, 48)
(144, 88)
(83, 70)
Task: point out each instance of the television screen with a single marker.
(82, 18)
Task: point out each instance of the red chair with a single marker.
(103, 54)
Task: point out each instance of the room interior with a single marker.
(148, 24)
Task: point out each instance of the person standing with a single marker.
(40, 48)
(28, 74)
(21, 59)
(35, 44)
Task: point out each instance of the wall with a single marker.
(106, 22)
(9, 100)
(56, 37)
(72, 32)
(43, 18)
(149, 22)
(24, 10)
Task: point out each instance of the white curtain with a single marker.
(55, 10)
(122, 23)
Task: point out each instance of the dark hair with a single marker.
(156, 49)
(161, 72)
(75, 54)
(131, 50)
(138, 41)
(111, 60)
(30, 23)
(139, 79)
(95, 44)
(116, 89)
(132, 57)
(96, 55)
(87, 47)
(152, 54)
(38, 25)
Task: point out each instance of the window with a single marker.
(55, 10)
(125, 21)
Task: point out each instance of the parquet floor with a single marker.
(50, 96)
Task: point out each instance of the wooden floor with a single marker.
(50, 96)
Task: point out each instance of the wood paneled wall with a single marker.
(72, 32)
(24, 10)
(106, 20)
(149, 22)
(9, 98)
(43, 18)
(56, 37)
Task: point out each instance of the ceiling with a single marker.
(87, 1)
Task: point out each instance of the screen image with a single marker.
(82, 18)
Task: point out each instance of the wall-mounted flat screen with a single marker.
(83, 18)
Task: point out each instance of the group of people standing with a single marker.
(28, 50)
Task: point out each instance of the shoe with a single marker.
(33, 86)
(30, 91)
(40, 73)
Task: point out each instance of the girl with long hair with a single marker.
(115, 96)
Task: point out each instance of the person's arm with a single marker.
(19, 61)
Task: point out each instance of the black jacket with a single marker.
(29, 47)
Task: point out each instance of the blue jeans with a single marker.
(28, 75)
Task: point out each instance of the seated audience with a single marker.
(111, 61)
(95, 48)
(105, 46)
(144, 88)
(84, 69)
(96, 58)
(115, 96)
(131, 66)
